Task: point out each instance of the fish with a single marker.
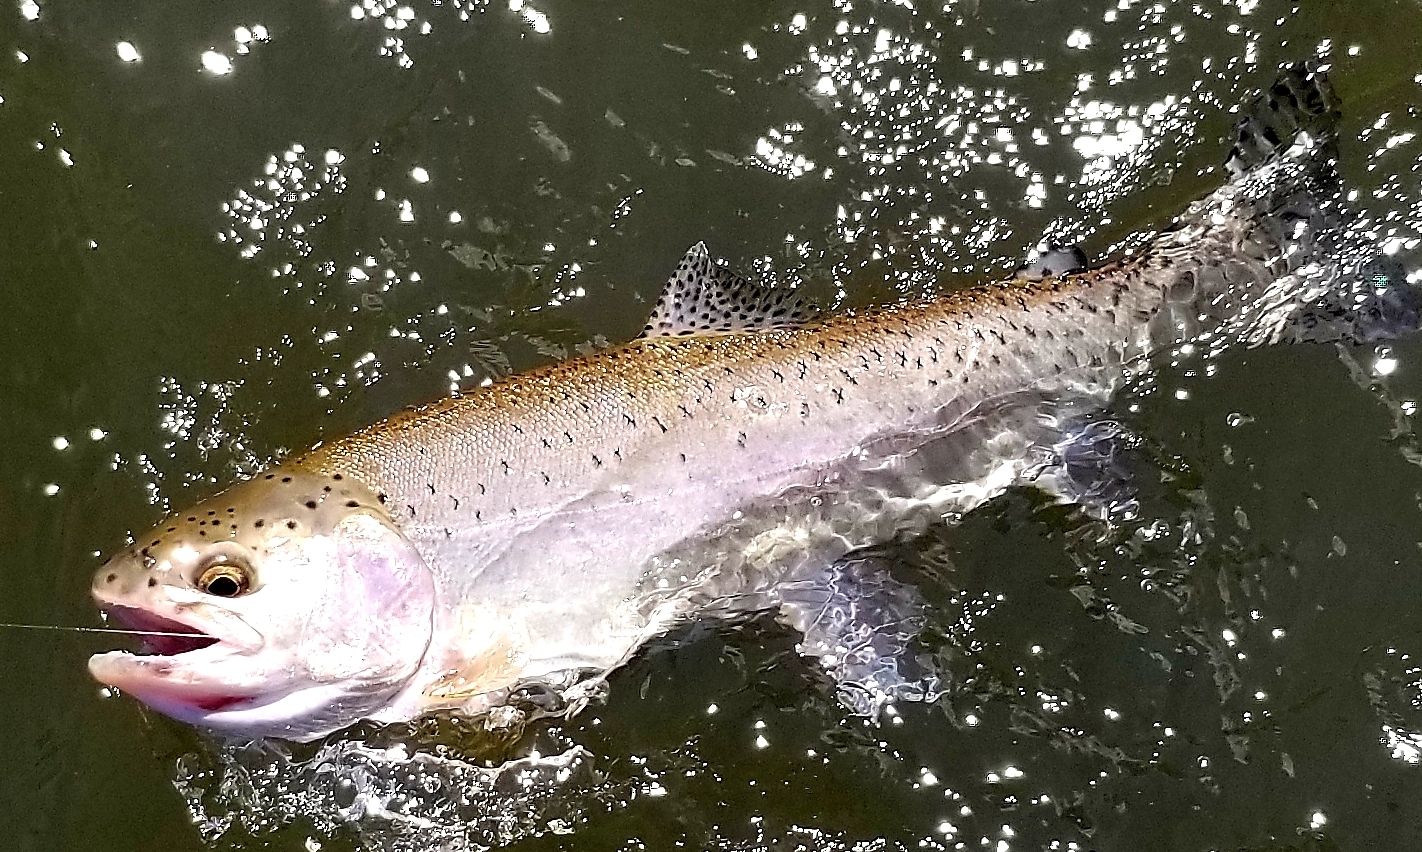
(526, 538)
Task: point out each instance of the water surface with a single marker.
(227, 232)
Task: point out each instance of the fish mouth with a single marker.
(159, 636)
(172, 672)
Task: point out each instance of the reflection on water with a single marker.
(234, 235)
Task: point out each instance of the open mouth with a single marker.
(159, 636)
(173, 668)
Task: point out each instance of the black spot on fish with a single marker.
(152, 581)
(291, 525)
(286, 479)
(192, 518)
(110, 578)
(351, 504)
(259, 524)
(270, 476)
(326, 488)
(310, 504)
(337, 477)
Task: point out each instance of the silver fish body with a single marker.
(542, 529)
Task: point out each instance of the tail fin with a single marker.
(1300, 101)
(1241, 262)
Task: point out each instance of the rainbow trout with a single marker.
(537, 532)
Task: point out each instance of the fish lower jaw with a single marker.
(167, 682)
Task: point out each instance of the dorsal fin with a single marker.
(705, 297)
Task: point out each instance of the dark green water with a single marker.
(201, 271)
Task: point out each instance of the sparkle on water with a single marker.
(869, 152)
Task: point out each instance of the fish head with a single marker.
(299, 604)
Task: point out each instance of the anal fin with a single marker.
(1381, 305)
(1089, 468)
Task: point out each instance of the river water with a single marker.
(230, 230)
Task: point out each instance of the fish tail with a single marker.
(1301, 100)
(1242, 263)
(1283, 173)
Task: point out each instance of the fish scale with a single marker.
(540, 530)
(660, 418)
(579, 474)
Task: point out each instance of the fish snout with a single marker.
(124, 574)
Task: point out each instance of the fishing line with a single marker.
(96, 630)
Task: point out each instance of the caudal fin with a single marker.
(1302, 100)
(1239, 264)
(1370, 298)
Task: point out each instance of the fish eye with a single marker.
(225, 580)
